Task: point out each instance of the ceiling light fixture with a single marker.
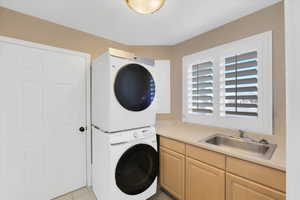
(145, 6)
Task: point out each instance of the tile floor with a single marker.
(87, 194)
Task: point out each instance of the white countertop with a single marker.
(192, 134)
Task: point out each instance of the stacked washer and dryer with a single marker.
(125, 158)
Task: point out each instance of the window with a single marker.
(230, 86)
(201, 88)
(240, 84)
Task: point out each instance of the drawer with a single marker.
(206, 156)
(173, 145)
(264, 175)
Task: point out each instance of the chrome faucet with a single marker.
(244, 137)
(242, 133)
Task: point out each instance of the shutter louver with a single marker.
(200, 98)
(240, 85)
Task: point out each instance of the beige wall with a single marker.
(271, 18)
(29, 28)
(24, 27)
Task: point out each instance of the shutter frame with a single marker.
(201, 92)
(240, 85)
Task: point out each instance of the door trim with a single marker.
(87, 58)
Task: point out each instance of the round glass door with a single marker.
(137, 169)
(134, 87)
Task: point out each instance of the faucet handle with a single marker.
(263, 141)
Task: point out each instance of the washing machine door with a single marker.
(137, 169)
(134, 87)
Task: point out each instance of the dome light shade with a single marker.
(145, 6)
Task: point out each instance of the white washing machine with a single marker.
(125, 164)
(123, 91)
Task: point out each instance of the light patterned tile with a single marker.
(161, 196)
(93, 196)
(65, 197)
(82, 193)
(88, 194)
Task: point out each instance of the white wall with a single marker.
(163, 87)
(292, 16)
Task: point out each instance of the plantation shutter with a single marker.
(241, 89)
(201, 88)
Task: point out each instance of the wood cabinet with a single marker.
(173, 145)
(192, 173)
(238, 188)
(204, 181)
(172, 172)
(260, 174)
(209, 157)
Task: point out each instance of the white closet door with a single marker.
(43, 104)
(163, 90)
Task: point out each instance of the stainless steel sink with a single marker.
(241, 145)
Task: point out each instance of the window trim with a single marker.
(262, 43)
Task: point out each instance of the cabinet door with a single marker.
(172, 168)
(239, 188)
(204, 182)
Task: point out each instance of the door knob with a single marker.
(82, 129)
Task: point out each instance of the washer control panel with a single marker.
(127, 136)
(143, 133)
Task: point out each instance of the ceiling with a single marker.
(177, 21)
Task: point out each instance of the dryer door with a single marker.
(134, 87)
(137, 169)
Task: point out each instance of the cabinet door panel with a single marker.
(204, 182)
(242, 189)
(172, 168)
